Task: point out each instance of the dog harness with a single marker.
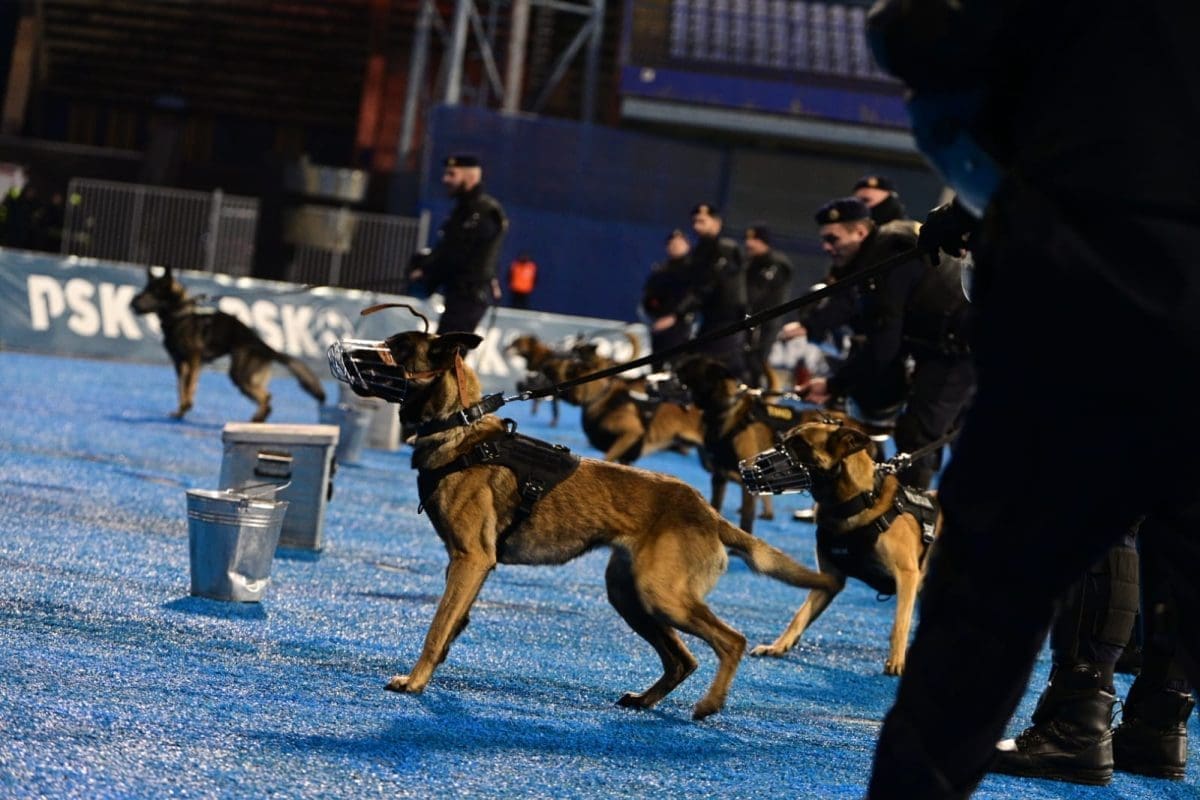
(538, 466)
(853, 552)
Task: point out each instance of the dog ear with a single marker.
(446, 345)
(845, 441)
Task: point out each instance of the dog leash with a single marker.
(493, 402)
(902, 461)
(750, 321)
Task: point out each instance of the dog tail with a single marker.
(768, 560)
(308, 380)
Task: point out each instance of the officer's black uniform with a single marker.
(662, 293)
(768, 284)
(898, 321)
(462, 263)
(718, 294)
(1086, 216)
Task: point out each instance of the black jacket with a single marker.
(718, 285)
(878, 314)
(666, 287)
(463, 260)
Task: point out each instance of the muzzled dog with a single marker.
(668, 546)
(869, 526)
(194, 336)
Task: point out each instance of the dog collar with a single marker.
(488, 405)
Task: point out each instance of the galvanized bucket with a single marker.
(353, 424)
(232, 537)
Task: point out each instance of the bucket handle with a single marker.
(274, 487)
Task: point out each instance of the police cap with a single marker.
(706, 208)
(462, 160)
(757, 230)
(844, 209)
(874, 182)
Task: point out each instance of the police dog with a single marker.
(620, 418)
(868, 527)
(194, 336)
(538, 357)
(668, 546)
(738, 424)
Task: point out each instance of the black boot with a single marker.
(1152, 737)
(1071, 736)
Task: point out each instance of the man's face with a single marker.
(871, 196)
(705, 224)
(677, 247)
(456, 180)
(756, 247)
(841, 240)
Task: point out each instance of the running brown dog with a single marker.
(194, 336)
(869, 527)
(668, 545)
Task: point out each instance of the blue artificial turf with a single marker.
(117, 683)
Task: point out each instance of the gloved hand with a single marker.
(946, 229)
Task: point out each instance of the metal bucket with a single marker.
(231, 542)
(353, 424)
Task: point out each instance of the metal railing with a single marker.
(215, 232)
(142, 224)
(377, 255)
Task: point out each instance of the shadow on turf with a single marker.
(220, 609)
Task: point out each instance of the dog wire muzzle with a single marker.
(775, 471)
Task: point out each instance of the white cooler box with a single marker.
(301, 456)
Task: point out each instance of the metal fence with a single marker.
(215, 232)
(378, 251)
(141, 224)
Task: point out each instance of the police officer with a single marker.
(663, 291)
(1086, 216)
(462, 263)
(768, 284)
(1071, 738)
(717, 290)
(904, 313)
(880, 195)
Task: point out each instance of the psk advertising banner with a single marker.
(81, 307)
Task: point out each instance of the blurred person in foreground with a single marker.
(462, 263)
(1077, 214)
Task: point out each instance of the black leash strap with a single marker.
(902, 461)
(750, 321)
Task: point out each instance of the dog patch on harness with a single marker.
(923, 507)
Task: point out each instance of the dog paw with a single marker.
(893, 667)
(768, 650)
(403, 683)
(705, 708)
(634, 700)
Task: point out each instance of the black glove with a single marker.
(947, 229)
(418, 259)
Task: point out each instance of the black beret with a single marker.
(875, 182)
(757, 230)
(844, 209)
(674, 233)
(463, 160)
(706, 208)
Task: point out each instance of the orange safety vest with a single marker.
(521, 276)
